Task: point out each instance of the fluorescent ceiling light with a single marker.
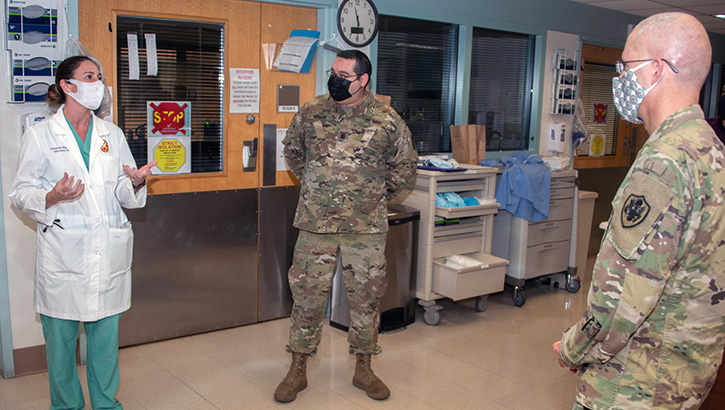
(720, 16)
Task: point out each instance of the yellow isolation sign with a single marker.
(170, 154)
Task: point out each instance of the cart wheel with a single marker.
(519, 298)
(481, 303)
(432, 318)
(573, 284)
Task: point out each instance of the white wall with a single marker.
(555, 40)
(19, 230)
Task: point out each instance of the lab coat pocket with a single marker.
(110, 165)
(63, 250)
(121, 249)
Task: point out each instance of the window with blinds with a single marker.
(601, 113)
(502, 71)
(417, 69)
(190, 68)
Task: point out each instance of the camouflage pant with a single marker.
(310, 278)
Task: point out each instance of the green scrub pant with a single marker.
(102, 370)
(310, 278)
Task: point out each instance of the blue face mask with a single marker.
(628, 94)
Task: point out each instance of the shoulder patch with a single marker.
(635, 210)
(643, 201)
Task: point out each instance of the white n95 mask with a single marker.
(628, 93)
(89, 95)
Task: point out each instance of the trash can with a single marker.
(584, 229)
(397, 307)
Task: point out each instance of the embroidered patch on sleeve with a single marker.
(644, 200)
(635, 210)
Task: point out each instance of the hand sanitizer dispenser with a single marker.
(557, 137)
(30, 119)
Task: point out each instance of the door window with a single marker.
(190, 59)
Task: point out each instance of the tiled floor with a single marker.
(495, 360)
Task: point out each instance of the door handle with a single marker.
(249, 155)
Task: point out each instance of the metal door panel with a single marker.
(276, 243)
(195, 265)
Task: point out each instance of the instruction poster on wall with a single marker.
(169, 136)
(245, 90)
(597, 145)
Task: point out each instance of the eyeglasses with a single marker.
(619, 65)
(331, 73)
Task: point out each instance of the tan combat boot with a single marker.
(366, 380)
(295, 381)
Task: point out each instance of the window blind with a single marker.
(596, 88)
(502, 66)
(416, 68)
(190, 68)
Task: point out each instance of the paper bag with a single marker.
(468, 143)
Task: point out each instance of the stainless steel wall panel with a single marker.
(195, 265)
(276, 243)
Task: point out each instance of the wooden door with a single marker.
(197, 242)
(628, 137)
(97, 32)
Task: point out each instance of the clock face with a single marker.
(357, 22)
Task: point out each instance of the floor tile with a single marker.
(499, 359)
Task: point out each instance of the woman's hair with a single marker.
(65, 71)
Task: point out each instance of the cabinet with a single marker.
(541, 248)
(468, 233)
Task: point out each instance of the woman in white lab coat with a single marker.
(75, 172)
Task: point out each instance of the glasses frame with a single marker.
(331, 73)
(619, 65)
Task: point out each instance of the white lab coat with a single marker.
(82, 271)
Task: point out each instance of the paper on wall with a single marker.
(133, 70)
(297, 51)
(244, 96)
(152, 65)
(281, 161)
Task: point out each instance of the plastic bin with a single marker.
(397, 307)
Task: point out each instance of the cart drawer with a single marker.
(474, 225)
(562, 183)
(464, 283)
(473, 184)
(553, 231)
(560, 209)
(547, 258)
(463, 211)
(560, 193)
(457, 244)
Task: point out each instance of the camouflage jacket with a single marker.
(349, 160)
(653, 332)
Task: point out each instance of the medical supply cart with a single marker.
(461, 232)
(541, 248)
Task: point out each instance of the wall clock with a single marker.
(357, 22)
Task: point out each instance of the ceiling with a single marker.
(701, 9)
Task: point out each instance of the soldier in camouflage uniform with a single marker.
(351, 152)
(652, 334)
